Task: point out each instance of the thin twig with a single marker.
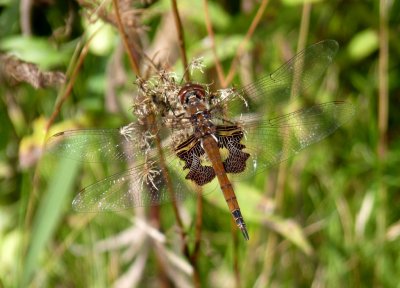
(199, 224)
(155, 222)
(182, 50)
(242, 44)
(71, 82)
(194, 257)
(235, 253)
(220, 72)
(25, 10)
(151, 119)
(196, 250)
(181, 40)
(382, 126)
(170, 189)
(304, 26)
(383, 80)
(132, 59)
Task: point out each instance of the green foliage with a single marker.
(332, 222)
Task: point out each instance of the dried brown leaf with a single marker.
(15, 71)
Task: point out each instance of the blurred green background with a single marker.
(329, 217)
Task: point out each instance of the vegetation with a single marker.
(328, 217)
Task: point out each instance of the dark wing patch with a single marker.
(191, 151)
(229, 137)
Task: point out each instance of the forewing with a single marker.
(288, 81)
(143, 184)
(98, 145)
(270, 142)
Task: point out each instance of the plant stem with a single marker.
(132, 59)
(382, 141)
(181, 40)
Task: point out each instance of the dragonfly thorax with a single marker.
(202, 124)
(193, 99)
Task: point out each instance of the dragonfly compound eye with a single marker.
(191, 89)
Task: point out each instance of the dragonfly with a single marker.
(186, 134)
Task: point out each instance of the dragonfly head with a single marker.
(191, 93)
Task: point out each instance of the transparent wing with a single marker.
(143, 184)
(286, 82)
(272, 141)
(99, 145)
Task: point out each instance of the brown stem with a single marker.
(170, 189)
(383, 108)
(240, 49)
(235, 251)
(181, 40)
(71, 82)
(193, 258)
(304, 26)
(132, 59)
(383, 80)
(220, 72)
(151, 119)
(196, 250)
(25, 9)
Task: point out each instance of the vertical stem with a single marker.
(155, 222)
(151, 119)
(235, 253)
(199, 223)
(181, 40)
(210, 32)
(170, 189)
(382, 126)
(74, 74)
(132, 59)
(383, 80)
(196, 249)
(240, 49)
(304, 26)
(192, 258)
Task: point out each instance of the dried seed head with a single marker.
(196, 64)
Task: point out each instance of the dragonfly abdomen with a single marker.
(211, 148)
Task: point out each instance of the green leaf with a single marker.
(194, 10)
(291, 231)
(363, 44)
(35, 50)
(49, 213)
(104, 37)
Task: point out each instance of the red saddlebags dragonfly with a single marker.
(204, 136)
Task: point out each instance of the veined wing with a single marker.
(101, 145)
(143, 184)
(287, 81)
(272, 141)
